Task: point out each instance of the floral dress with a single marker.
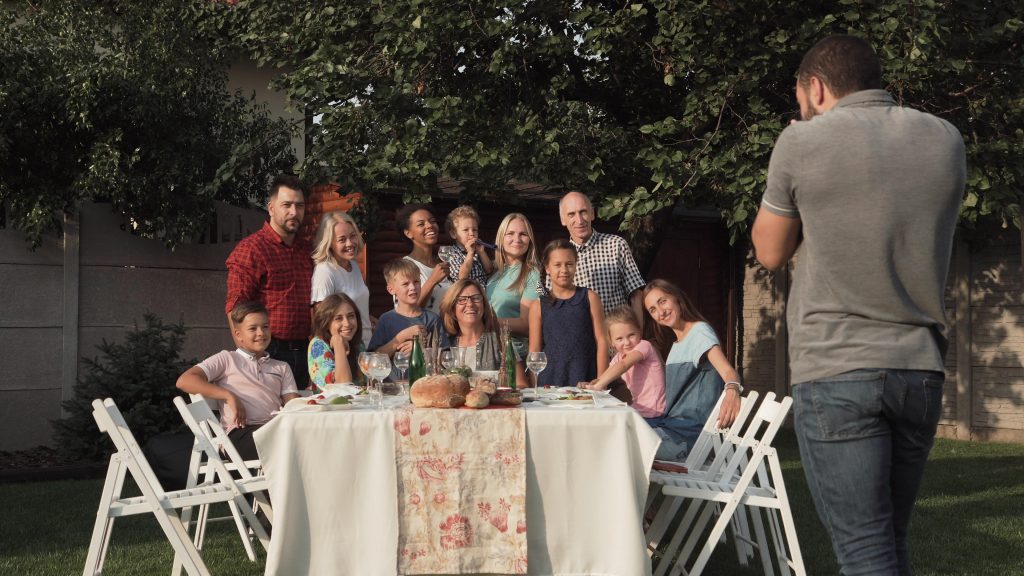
(320, 361)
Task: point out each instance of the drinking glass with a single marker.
(380, 367)
(364, 365)
(446, 252)
(536, 362)
(402, 363)
(448, 358)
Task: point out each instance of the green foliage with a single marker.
(646, 105)
(139, 374)
(123, 102)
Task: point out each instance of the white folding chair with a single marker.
(129, 459)
(709, 451)
(750, 478)
(210, 442)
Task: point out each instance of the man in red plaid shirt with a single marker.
(275, 267)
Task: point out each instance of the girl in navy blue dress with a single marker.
(567, 323)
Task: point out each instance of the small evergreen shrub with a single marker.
(139, 374)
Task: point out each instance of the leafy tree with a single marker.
(139, 374)
(644, 104)
(125, 102)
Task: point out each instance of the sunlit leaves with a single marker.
(645, 105)
(123, 102)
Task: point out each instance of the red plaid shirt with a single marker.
(265, 269)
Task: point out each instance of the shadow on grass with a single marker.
(47, 527)
(969, 520)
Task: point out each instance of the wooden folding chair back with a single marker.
(710, 451)
(726, 489)
(129, 459)
(210, 442)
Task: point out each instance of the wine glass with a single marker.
(380, 366)
(364, 364)
(536, 362)
(446, 253)
(402, 363)
(448, 358)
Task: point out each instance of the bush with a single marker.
(139, 374)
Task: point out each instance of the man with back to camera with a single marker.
(274, 266)
(604, 262)
(875, 189)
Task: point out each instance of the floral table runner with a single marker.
(461, 491)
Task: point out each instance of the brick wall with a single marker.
(985, 283)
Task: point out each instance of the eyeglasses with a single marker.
(463, 300)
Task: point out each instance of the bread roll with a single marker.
(506, 398)
(440, 391)
(485, 385)
(477, 399)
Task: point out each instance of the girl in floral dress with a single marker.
(337, 329)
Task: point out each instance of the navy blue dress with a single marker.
(568, 332)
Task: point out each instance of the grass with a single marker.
(969, 521)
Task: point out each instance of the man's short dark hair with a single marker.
(843, 63)
(288, 181)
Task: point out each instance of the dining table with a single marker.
(335, 482)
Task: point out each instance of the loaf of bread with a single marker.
(477, 399)
(506, 398)
(439, 391)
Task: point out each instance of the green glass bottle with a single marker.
(417, 364)
(508, 368)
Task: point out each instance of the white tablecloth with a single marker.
(333, 487)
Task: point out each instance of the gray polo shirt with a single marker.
(877, 188)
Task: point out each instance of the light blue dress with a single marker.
(692, 387)
(505, 301)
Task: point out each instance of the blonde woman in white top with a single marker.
(338, 244)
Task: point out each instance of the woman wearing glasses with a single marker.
(468, 318)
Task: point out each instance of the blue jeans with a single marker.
(864, 440)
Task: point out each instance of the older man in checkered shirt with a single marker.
(605, 264)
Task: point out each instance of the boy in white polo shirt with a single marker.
(247, 382)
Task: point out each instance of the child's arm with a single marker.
(194, 381)
(342, 371)
(614, 372)
(485, 260)
(597, 315)
(731, 405)
(402, 341)
(536, 330)
(467, 265)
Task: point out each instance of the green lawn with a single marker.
(969, 520)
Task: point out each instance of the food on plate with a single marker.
(339, 400)
(573, 395)
(439, 391)
(312, 402)
(506, 398)
(463, 371)
(477, 399)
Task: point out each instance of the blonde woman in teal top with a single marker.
(513, 286)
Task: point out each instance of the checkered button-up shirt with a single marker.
(606, 266)
(263, 268)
